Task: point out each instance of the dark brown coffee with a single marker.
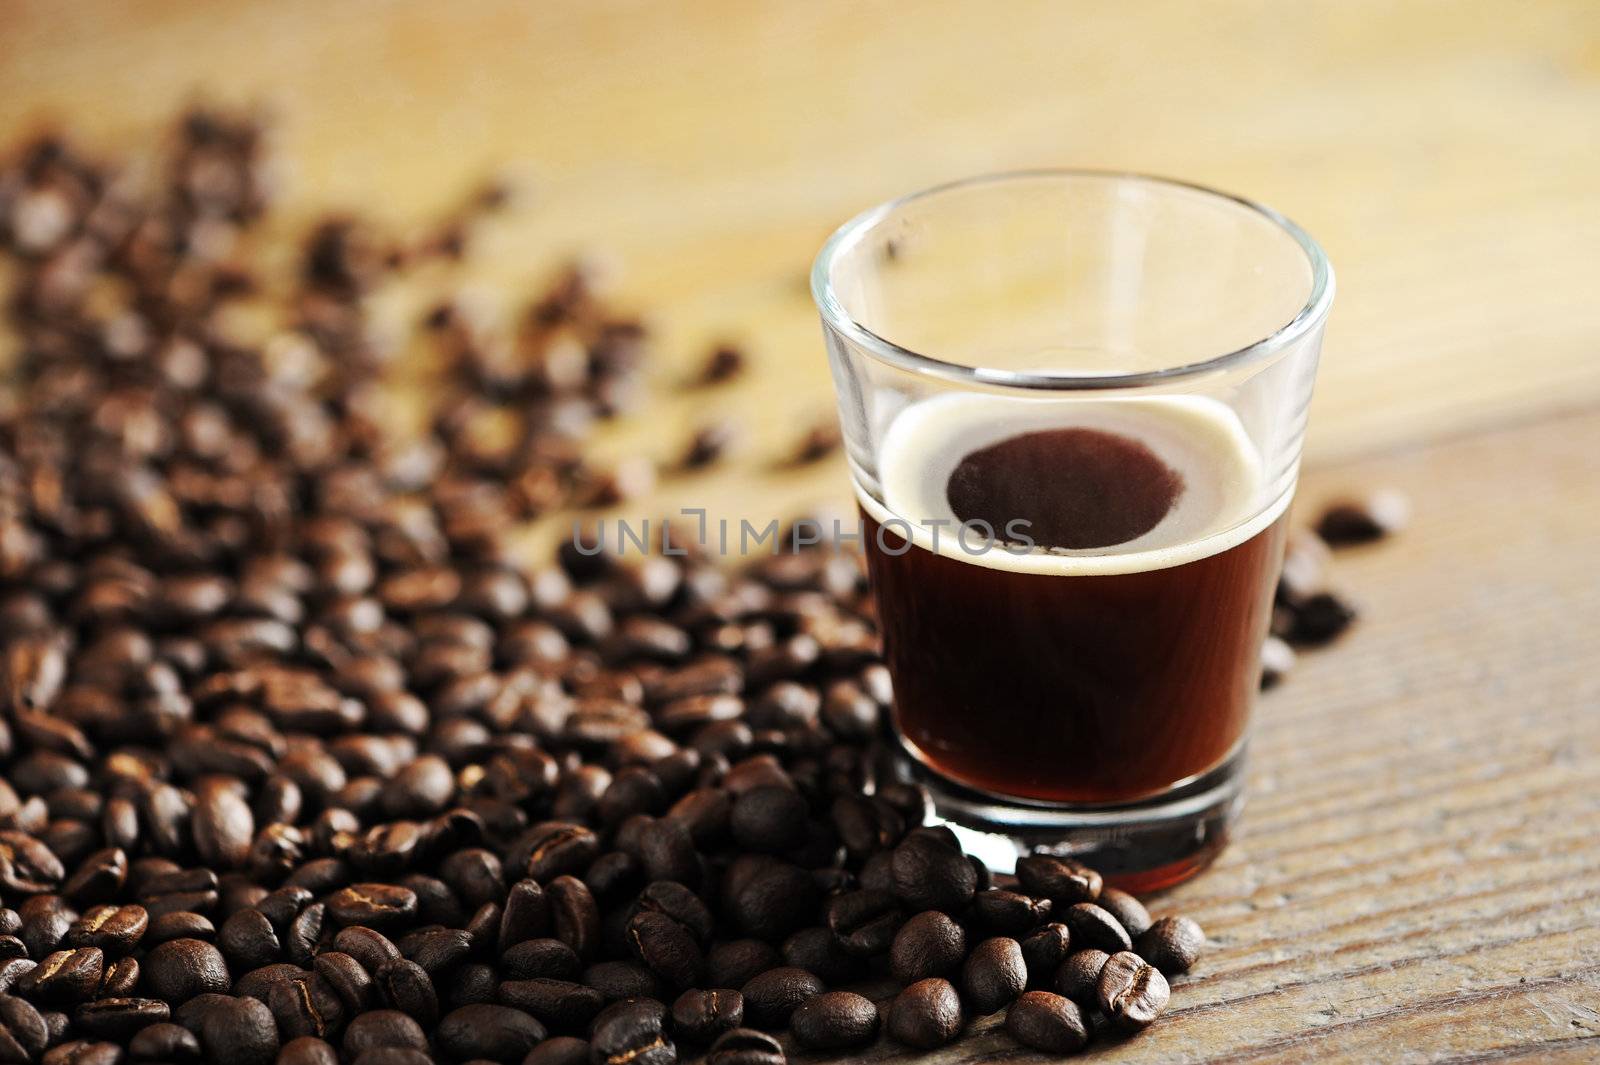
(1113, 652)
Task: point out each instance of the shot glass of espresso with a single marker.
(1073, 405)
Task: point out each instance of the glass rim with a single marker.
(847, 236)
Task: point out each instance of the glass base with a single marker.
(1140, 846)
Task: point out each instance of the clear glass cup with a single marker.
(1073, 405)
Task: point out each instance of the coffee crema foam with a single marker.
(1200, 439)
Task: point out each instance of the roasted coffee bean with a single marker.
(174, 1043)
(994, 974)
(382, 1028)
(769, 819)
(770, 997)
(497, 1033)
(371, 948)
(1131, 991)
(1061, 880)
(119, 1018)
(373, 905)
(436, 949)
(1009, 912)
(223, 824)
(98, 877)
(1129, 911)
(1319, 620)
(349, 980)
(248, 940)
(181, 924)
(536, 958)
(1365, 519)
(561, 1004)
(817, 951)
(1044, 950)
(734, 963)
(239, 1030)
(14, 969)
(305, 1004)
(632, 1033)
(679, 903)
(258, 982)
(1078, 978)
(83, 1052)
(45, 921)
(114, 929)
(618, 980)
(308, 1050)
(24, 1027)
(864, 922)
(926, 1015)
(280, 907)
(746, 1046)
(406, 986)
(574, 916)
(767, 898)
(929, 944)
(1172, 944)
(27, 866)
(701, 1016)
(526, 914)
(180, 969)
(1095, 928)
(65, 976)
(930, 874)
(835, 1020)
(470, 984)
(666, 948)
(559, 1050)
(120, 978)
(1047, 1022)
(557, 848)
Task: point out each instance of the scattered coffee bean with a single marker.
(632, 1033)
(1047, 1022)
(1132, 992)
(1129, 911)
(559, 1050)
(701, 1016)
(1362, 520)
(1094, 927)
(239, 1030)
(926, 1015)
(994, 974)
(835, 1020)
(1061, 880)
(172, 1042)
(1078, 978)
(746, 1046)
(1172, 944)
(484, 1030)
(770, 998)
(929, 944)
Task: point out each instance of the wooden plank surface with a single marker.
(1417, 877)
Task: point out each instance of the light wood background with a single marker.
(1418, 878)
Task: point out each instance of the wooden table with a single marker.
(1418, 877)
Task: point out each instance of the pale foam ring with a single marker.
(1221, 506)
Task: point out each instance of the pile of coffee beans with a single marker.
(298, 764)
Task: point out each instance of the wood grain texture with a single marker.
(1417, 878)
